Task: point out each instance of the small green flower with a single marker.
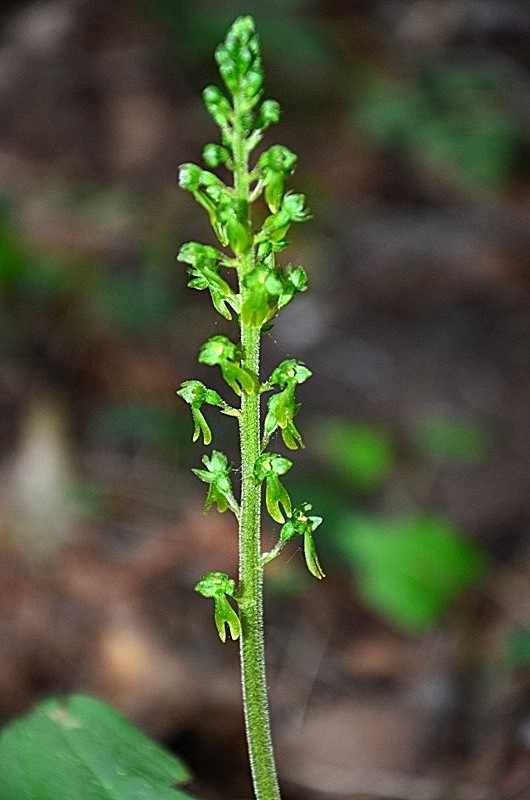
(232, 227)
(289, 373)
(218, 106)
(294, 281)
(196, 394)
(268, 468)
(209, 191)
(220, 351)
(214, 155)
(270, 289)
(261, 301)
(217, 476)
(276, 226)
(275, 165)
(219, 586)
(204, 272)
(281, 411)
(282, 407)
(269, 114)
(301, 524)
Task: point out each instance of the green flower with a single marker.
(209, 191)
(301, 524)
(218, 106)
(217, 476)
(261, 298)
(219, 586)
(269, 290)
(220, 351)
(268, 468)
(269, 114)
(196, 395)
(282, 407)
(232, 226)
(204, 271)
(289, 373)
(214, 155)
(281, 410)
(275, 165)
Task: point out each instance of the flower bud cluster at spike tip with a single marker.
(239, 62)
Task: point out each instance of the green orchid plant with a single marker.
(249, 249)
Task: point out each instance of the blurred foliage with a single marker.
(407, 569)
(518, 648)
(410, 569)
(452, 440)
(132, 424)
(134, 300)
(136, 305)
(97, 755)
(449, 116)
(361, 455)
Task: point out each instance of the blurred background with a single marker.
(405, 674)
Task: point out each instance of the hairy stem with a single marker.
(252, 650)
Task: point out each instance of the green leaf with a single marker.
(452, 117)
(454, 440)
(410, 570)
(360, 454)
(81, 748)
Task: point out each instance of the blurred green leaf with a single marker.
(518, 648)
(450, 116)
(14, 262)
(135, 423)
(361, 454)
(454, 440)
(409, 570)
(81, 748)
(135, 305)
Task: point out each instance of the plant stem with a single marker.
(252, 649)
